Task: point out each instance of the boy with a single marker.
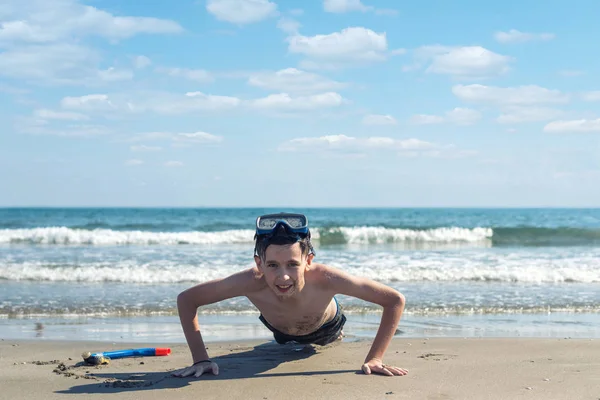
(294, 295)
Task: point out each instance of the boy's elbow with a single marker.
(183, 299)
(402, 299)
(398, 300)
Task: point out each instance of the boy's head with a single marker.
(282, 253)
(282, 229)
(282, 236)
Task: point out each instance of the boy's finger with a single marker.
(187, 372)
(199, 372)
(398, 371)
(215, 369)
(381, 370)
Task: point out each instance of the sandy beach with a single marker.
(441, 368)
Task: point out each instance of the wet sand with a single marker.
(440, 368)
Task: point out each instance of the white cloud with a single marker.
(44, 41)
(345, 143)
(4, 88)
(134, 162)
(518, 114)
(90, 102)
(197, 137)
(461, 62)
(376, 119)
(241, 11)
(58, 64)
(573, 126)
(41, 21)
(591, 96)
(57, 127)
(112, 75)
(463, 116)
(284, 102)
(173, 164)
(398, 52)
(197, 75)
(515, 36)
(140, 62)
(158, 102)
(350, 46)
(289, 25)
(458, 116)
(59, 115)
(193, 101)
(144, 148)
(177, 139)
(520, 95)
(344, 6)
(294, 81)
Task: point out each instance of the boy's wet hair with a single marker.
(282, 237)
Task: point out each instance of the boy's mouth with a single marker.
(283, 288)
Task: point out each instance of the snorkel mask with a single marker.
(269, 227)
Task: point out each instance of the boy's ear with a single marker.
(257, 261)
(309, 258)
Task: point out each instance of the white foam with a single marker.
(352, 235)
(524, 267)
(123, 272)
(68, 236)
(367, 234)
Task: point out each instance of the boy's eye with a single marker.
(272, 265)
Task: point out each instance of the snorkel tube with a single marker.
(105, 357)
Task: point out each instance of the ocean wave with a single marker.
(389, 268)
(380, 235)
(68, 236)
(323, 236)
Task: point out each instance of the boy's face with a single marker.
(283, 268)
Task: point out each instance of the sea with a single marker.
(113, 274)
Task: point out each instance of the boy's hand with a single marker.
(198, 369)
(377, 366)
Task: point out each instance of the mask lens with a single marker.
(295, 222)
(269, 222)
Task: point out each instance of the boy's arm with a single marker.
(214, 291)
(392, 302)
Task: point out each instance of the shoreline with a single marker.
(247, 327)
(439, 368)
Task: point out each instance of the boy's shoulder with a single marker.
(325, 274)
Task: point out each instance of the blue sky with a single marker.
(299, 103)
